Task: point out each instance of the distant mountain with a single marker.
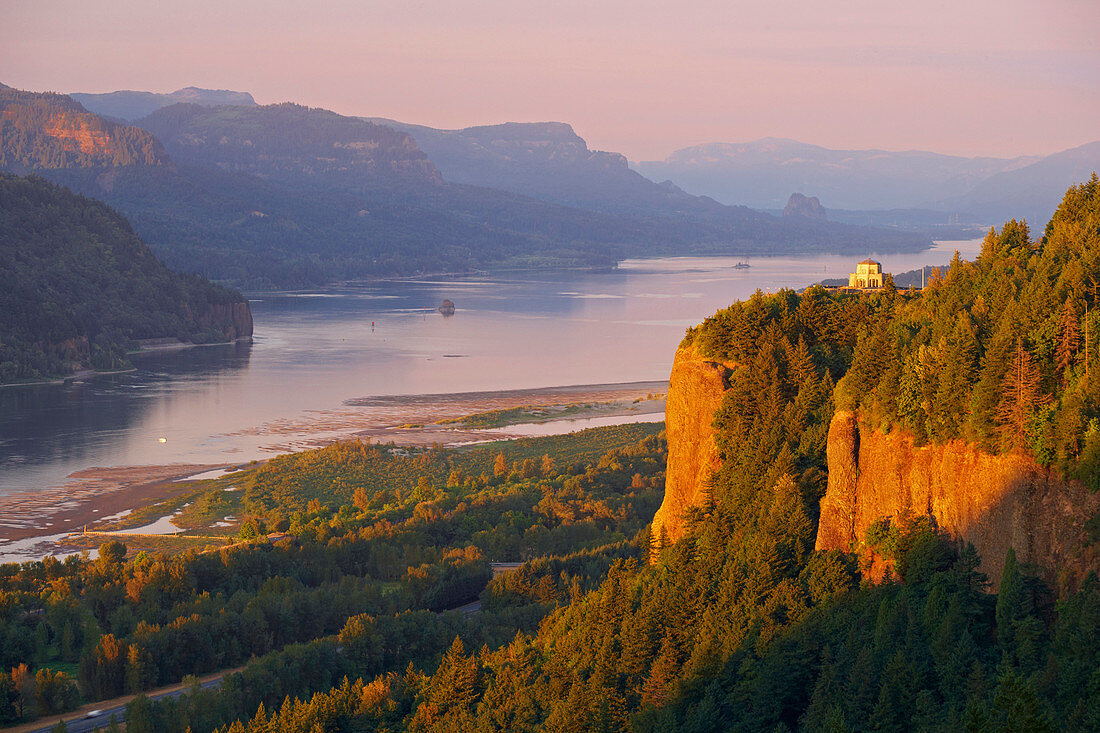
(550, 162)
(547, 161)
(763, 173)
(130, 105)
(289, 142)
(1032, 192)
(49, 131)
(78, 287)
(288, 196)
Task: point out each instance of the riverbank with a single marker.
(34, 524)
(147, 346)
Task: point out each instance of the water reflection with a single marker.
(315, 350)
(46, 429)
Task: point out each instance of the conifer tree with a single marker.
(1020, 396)
(1010, 599)
(1070, 341)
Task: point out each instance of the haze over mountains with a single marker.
(549, 161)
(130, 105)
(763, 173)
(288, 196)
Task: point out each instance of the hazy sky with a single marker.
(973, 77)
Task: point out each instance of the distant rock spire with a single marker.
(808, 207)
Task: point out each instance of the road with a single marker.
(86, 722)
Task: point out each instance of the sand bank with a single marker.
(95, 497)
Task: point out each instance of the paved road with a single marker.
(102, 718)
(468, 609)
(89, 722)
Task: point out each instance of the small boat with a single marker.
(741, 265)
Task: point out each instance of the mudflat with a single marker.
(31, 522)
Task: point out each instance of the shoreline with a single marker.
(89, 496)
(85, 374)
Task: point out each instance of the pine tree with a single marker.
(1020, 396)
(1010, 599)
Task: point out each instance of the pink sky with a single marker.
(971, 77)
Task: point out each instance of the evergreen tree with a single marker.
(1021, 395)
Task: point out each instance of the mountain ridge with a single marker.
(768, 169)
(129, 105)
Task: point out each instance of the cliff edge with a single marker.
(992, 501)
(695, 391)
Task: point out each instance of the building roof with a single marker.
(869, 261)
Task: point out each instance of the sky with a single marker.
(644, 78)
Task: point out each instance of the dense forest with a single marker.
(78, 287)
(352, 539)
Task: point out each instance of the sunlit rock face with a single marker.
(991, 501)
(51, 131)
(695, 391)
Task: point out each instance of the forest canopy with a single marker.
(78, 287)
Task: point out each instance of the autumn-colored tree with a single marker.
(423, 489)
(361, 499)
(500, 466)
(1020, 396)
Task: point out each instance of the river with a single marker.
(315, 350)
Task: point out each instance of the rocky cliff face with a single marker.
(808, 207)
(992, 501)
(234, 320)
(695, 391)
(289, 142)
(52, 131)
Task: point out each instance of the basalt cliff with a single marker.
(695, 391)
(991, 501)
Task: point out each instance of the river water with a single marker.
(314, 350)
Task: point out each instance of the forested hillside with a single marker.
(366, 542)
(131, 105)
(292, 143)
(56, 132)
(78, 287)
(741, 625)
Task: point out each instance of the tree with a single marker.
(112, 552)
(1010, 600)
(423, 489)
(500, 466)
(1070, 341)
(361, 499)
(1020, 396)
